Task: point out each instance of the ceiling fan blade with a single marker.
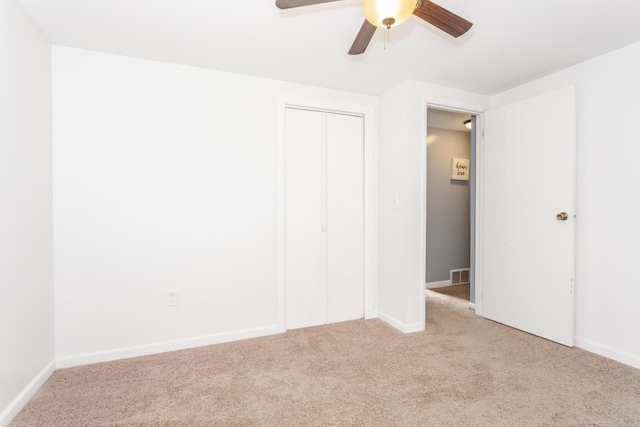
(440, 17)
(288, 4)
(363, 38)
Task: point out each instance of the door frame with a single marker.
(478, 111)
(326, 105)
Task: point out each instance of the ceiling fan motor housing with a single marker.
(388, 13)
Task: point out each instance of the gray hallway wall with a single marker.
(448, 205)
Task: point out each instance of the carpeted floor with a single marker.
(463, 371)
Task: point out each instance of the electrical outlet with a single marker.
(172, 298)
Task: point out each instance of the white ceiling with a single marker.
(511, 42)
(447, 120)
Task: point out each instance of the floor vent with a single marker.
(460, 277)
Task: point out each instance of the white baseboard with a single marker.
(609, 352)
(26, 394)
(414, 327)
(472, 306)
(435, 285)
(404, 328)
(163, 347)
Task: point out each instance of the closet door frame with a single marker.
(367, 111)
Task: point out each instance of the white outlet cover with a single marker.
(172, 298)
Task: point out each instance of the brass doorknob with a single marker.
(562, 216)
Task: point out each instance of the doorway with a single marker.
(525, 211)
(450, 221)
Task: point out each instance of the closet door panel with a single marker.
(305, 201)
(345, 222)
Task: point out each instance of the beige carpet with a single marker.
(464, 371)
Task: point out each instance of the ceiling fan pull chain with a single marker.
(386, 38)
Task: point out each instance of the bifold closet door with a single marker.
(305, 218)
(324, 254)
(345, 218)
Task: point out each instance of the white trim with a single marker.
(435, 285)
(423, 203)
(479, 183)
(472, 306)
(368, 113)
(280, 218)
(163, 347)
(413, 327)
(608, 352)
(452, 106)
(405, 329)
(26, 394)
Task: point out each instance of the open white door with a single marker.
(528, 187)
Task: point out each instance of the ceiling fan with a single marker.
(390, 13)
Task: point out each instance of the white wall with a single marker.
(393, 274)
(164, 178)
(26, 276)
(402, 172)
(607, 228)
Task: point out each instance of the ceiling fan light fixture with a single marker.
(388, 13)
(467, 124)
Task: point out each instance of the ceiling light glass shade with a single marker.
(467, 124)
(388, 13)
